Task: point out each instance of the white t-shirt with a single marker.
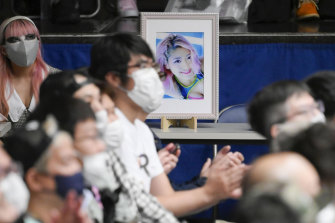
(138, 151)
(326, 214)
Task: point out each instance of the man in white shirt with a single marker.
(125, 62)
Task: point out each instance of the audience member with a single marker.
(125, 62)
(78, 84)
(282, 102)
(14, 195)
(322, 85)
(317, 144)
(22, 69)
(284, 167)
(71, 83)
(123, 199)
(282, 185)
(275, 203)
(51, 167)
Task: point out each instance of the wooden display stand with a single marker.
(166, 123)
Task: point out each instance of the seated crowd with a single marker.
(78, 149)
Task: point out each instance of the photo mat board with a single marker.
(190, 67)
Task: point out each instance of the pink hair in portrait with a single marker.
(18, 27)
(172, 42)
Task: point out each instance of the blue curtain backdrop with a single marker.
(243, 70)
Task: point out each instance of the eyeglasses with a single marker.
(304, 110)
(145, 64)
(148, 64)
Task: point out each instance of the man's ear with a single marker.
(113, 79)
(34, 180)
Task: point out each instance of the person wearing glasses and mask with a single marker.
(282, 105)
(22, 70)
(125, 62)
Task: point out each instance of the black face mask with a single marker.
(66, 183)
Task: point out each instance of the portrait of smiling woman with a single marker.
(180, 62)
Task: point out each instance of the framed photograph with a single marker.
(186, 47)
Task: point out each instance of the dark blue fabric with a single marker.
(243, 70)
(67, 56)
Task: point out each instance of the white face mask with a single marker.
(15, 191)
(319, 118)
(148, 90)
(23, 53)
(113, 134)
(97, 171)
(102, 120)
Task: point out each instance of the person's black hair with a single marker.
(317, 144)
(62, 84)
(267, 106)
(265, 208)
(322, 85)
(112, 54)
(27, 144)
(68, 112)
(107, 89)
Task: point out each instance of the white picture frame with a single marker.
(197, 28)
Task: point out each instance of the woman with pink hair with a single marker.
(182, 68)
(22, 70)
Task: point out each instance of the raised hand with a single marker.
(169, 157)
(225, 174)
(71, 212)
